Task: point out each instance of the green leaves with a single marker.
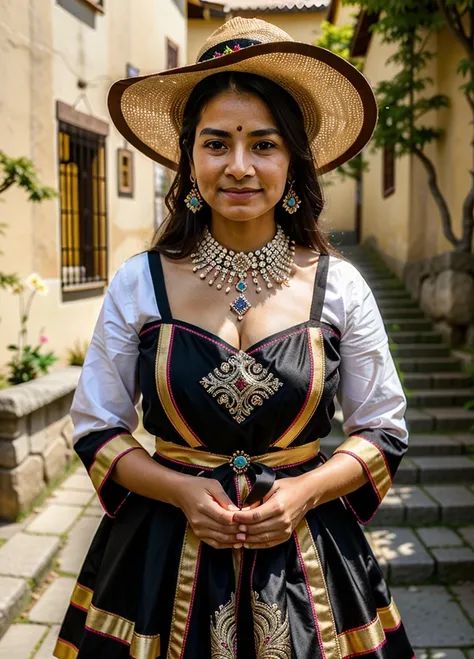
(28, 363)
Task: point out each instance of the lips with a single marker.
(240, 193)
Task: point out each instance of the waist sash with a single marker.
(256, 474)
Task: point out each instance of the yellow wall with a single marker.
(302, 26)
(407, 225)
(385, 220)
(45, 50)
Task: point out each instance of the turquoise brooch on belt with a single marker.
(240, 462)
(272, 263)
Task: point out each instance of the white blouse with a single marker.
(370, 393)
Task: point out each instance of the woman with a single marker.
(238, 328)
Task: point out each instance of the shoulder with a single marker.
(130, 272)
(346, 289)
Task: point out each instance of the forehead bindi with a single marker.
(231, 112)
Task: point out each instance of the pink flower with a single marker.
(43, 339)
(236, 47)
(218, 55)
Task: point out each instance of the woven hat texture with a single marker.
(336, 100)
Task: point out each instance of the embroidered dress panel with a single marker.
(241, 384)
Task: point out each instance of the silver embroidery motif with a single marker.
(241, 384)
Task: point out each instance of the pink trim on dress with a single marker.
(114, 638)
(328, 331)
(99, 495)
(148, 329)
(280, 338)
(208, 338)
(71, 645)
(360, 654)
(308, 393)
(310, 596)
(379, 450)
(168, 384)
(119, 434)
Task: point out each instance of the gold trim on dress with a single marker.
(370, 637)
(107, 455)
(316, 388)
(163, 386)
(184, 594)
(374, 462)
(81, 597)
(205, 459)
(64, 650)
(121, 629)
(311, 564)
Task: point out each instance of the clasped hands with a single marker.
(216, 521)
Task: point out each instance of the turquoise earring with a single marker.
(291, 202)
(194, 200)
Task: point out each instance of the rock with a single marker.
(456, 261)
(427, 296)
(454, 297)
(13, 451)
(55, 459)
(19, 487)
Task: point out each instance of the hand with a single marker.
(209, 512)
(274, 521)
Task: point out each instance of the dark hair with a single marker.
(181, 230)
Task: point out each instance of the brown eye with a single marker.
(264, 146)
(215, 145)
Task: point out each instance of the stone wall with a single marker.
(35, 438)
(444, 286)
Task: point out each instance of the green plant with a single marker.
(77, 354)
(28, 362)
(406, 99)
(20, 172)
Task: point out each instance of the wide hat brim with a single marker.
(337, 102)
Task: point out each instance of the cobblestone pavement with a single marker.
(41, 556)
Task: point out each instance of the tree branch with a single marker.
(456, 28)
(467, 220)
(6, 184)
(438, 197)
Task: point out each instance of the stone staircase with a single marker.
(424, 529)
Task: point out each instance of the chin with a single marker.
(241, 213)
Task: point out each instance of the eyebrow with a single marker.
(262, 132)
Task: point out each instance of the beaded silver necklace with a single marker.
(274, 261)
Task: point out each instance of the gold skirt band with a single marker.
(206, 460)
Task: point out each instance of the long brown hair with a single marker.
(178, 235)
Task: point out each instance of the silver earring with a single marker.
(194, 200)
(291, 202)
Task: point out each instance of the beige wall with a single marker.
(302, 26)
(45, 49)
(407, 225)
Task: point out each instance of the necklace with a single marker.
(273, 261)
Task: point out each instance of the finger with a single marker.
(218, 545)
(271, 534)
(265, 545)
(272, 508)
(215, 511)
(273, 524)
(217, 492)
(211, 525)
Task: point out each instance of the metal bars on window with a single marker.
(82, 174)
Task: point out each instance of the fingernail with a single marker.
(233, 508)
(237, 546)
(247, 546)
(240, 536)
(242, 528)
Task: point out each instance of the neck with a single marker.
(243, 236)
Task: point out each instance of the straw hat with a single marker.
(337, 102)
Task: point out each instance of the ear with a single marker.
(191, 167)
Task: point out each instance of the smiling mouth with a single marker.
(243, 193)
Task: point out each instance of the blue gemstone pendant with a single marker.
(240, 462)
(240, 306)
(241, 286)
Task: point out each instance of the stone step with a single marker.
(425, 554)
(416, 505)
(410, 313)
(380, 287)
(419, 445)
(414, 381)
(428, 364)
(395, 294)
(441, 419)
(408, 324)
(440, 397)
(420, 350)
(402, 338)
(396, 303)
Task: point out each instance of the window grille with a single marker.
(82, 174)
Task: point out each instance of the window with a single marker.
(172, 55)
(388, 171)
(125, 173)
(82, 174)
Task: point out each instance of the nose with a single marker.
(239, 164)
